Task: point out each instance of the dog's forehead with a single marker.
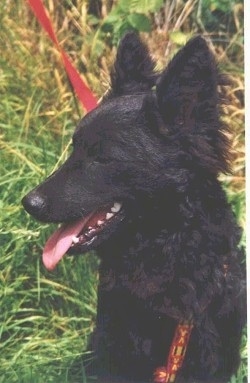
(110, 116)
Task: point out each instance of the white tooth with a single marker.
(99, 223)
(75, 239)
(117, 206)
(109, 215)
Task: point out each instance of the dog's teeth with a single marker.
(75, 239)
(89, 233)
(109, 215)
(117, 206)
(100, 223)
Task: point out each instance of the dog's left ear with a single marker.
(189, 103)
(133, 70)
(187, 89)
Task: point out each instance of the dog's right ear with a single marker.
(133, 70)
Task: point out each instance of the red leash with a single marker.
(167, 374)
(84, 94)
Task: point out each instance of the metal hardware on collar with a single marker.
(167, 374)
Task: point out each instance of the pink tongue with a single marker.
(60, 241)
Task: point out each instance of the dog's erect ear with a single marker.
(133, 71)
(189, 105)
(187, 89)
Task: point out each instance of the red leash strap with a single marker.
(84, 94)
(167, 374)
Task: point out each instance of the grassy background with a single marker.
(46, 318)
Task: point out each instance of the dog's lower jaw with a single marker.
(96, 233)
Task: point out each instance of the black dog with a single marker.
(141, 188)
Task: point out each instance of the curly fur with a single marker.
(157, 143)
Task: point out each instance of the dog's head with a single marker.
(152, 132)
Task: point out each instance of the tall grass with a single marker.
(46, 318)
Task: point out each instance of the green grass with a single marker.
(46, 318)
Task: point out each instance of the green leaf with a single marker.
(139, 22)
(125, 5)
(222, 5)
(178, 37)
(112, 18)
(97, 49)
(218, 5)
(109, 22)
(145, 6)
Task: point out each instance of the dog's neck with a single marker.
(166, 218)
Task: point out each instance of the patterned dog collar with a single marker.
(167, 373)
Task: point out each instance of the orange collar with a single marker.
(167, 373)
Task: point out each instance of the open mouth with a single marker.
(98, 223)
(82, 235)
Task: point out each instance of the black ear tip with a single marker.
(130, 41)
(129, 37)
(197, 42)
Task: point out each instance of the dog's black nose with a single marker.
(34, 203)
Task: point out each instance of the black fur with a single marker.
(157, 144)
